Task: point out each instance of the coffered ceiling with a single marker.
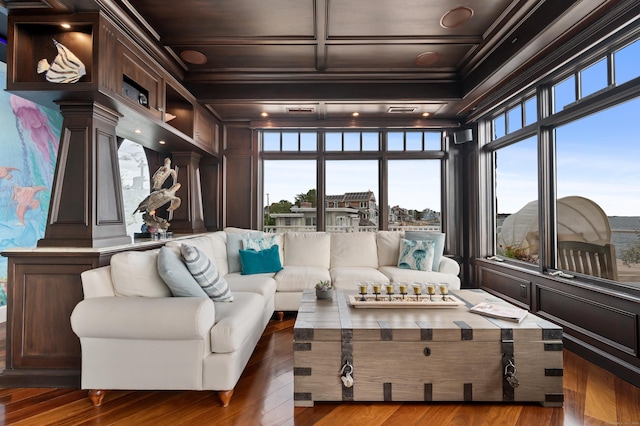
(325, 59)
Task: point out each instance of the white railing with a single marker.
(281, 229)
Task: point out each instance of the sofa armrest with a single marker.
(170, 318)
(449, 266)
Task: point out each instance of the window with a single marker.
(290, 141)
(598, 196)
(516, 189)
(414, 194)
(134, 175)
(414, 140)
(352, 180)
(289, 195)
(564, 93)
(593, 78)
(583, 165)
(626, 63)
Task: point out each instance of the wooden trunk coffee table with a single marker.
(423, 354)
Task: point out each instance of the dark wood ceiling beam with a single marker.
(325, 91)
(208, 76)
(320, 31)
(294, 40)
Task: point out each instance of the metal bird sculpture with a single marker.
(162, 174)
(159, 198)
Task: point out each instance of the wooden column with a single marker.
(189, 217)
(86, 201)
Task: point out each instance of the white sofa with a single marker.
(134, 335)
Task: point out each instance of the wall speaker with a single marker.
(462, 136)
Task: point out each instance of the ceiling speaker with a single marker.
(462, 136)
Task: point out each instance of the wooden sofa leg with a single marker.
(280, 315)
(96, 396)
(225, 397)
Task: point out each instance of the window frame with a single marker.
(382, 155)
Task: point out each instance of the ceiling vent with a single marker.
(401, 110)
(300, 110)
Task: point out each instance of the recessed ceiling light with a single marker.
(427, 58)
(65, 26)
(264, 114)
(456, 17)
(355, 114)
(161, 142)
(193, 57)
(137, 131)
(426, 114)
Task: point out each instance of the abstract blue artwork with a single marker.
(29, 145)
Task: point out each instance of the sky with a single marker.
(597, 158)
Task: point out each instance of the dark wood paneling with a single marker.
(600, 322)
(239, 191)
(209, 173)
(605, 322)
(515, 289)
(43, 295)
(240, 182)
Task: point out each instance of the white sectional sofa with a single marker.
(135, 335)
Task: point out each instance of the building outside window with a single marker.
(351, 186)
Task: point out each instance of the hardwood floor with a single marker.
(264, 396)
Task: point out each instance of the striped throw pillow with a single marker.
(206, 274)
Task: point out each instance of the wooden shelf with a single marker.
(179, 111)
(34, 41)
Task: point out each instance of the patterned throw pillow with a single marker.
(206, 274)
(258, 244)
(416, 254)
(437, 237)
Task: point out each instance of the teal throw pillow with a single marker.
(176, 275)
(206, 274)
(416, 254)
(260, 262)
(437, 237)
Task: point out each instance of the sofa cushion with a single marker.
(395, 274)
(236, 321)
(206, 274)
(259, 262)
(263, 284)
(388, 243)
(135, 273)
(347, 278)
(234, 245)
(437, 237)
(298, 278)
(416, 254)
(354, 249)
(213, 245)
(176, 275)
(307, 249)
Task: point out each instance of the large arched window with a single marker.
(134, 175)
